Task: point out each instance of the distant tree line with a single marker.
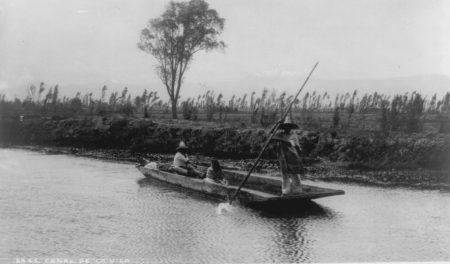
(393, 113)
(36, 103)
(397, 113)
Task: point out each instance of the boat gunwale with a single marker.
(261, 196)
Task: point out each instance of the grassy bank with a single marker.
(402, 159)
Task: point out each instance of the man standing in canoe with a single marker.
(289, 157)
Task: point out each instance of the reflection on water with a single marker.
(63, 206)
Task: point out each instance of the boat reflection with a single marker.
(298, 210)
(293, 231)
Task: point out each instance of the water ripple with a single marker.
(63, 206)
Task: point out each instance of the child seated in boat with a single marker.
(181, 163)
(289, 158)
(215, 174)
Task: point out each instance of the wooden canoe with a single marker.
(259, 190)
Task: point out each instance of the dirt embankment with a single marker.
(407, 160)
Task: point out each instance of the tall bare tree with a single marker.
(173, 38)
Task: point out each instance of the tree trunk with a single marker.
(174, 109)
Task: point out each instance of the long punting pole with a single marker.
(272, 134)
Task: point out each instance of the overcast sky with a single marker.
(83, 44)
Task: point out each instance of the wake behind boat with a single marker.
(259, 191)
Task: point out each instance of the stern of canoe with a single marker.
(272, 185)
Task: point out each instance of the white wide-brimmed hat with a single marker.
(182, 145)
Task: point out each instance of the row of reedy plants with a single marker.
(405, 113)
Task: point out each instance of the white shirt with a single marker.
(180, 160)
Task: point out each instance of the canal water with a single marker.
(60, 206)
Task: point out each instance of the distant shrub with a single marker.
(336, 117)
(127, 109)
(414, 111)
(189, 111)
(384, 117)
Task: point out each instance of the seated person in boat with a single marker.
(289, 157)
(215, 174)
(181, 163)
